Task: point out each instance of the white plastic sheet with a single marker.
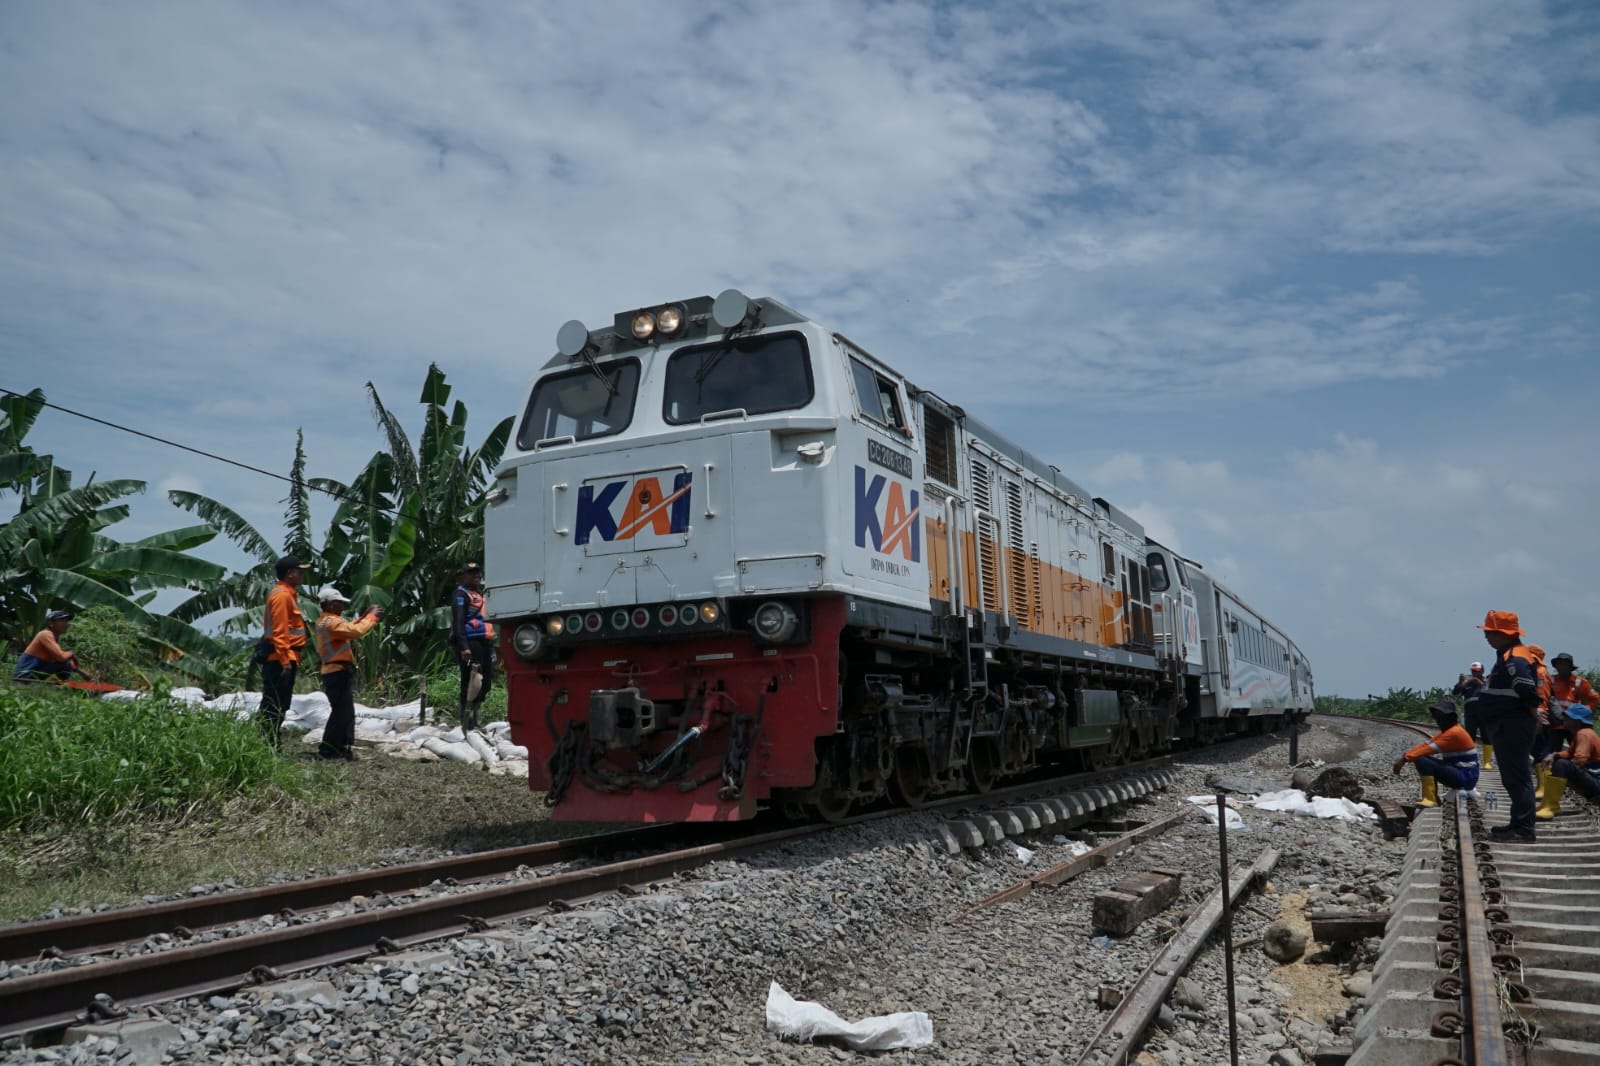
(1208, 807)
(1297, 802)
(795, 1019)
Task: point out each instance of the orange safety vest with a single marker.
(1574, 688)
(334, 639)
(286, 626)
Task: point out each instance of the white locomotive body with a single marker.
(737, 559)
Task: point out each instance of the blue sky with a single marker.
(1310, 288)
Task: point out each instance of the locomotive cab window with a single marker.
(877, 396)
(581, 403)
(756, 375)
(1158, 572)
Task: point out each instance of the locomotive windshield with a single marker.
(581, 403)
(756, 375)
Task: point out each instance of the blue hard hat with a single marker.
(1578, 713)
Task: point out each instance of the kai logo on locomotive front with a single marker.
(649, 509)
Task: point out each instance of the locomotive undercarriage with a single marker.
(919, 719)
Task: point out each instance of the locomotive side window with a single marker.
(756, 375)
(939, 446)
(581, 403)
(1108, 561)
(1158, 572)
(877, 396)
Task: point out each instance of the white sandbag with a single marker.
(417, 735)
(794, 1019)
(507, 750)
(189, 695)
(458, 752)
(510, 768)
(398, 712)
(123, 695)
(481, 746)
(308, 711)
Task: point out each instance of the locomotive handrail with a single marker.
(555, 509)
(979, 518)
(551, 442)
(717, 416)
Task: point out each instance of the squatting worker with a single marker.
(44, 657)
(286, 632)
(472, 635)
(335, 636)
(1467, 686)
(1508, 709)
(1450, 758)
(1578, 766)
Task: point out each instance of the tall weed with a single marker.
(67, 759)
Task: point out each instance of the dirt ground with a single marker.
(381, 810)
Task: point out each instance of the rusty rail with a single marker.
(1480, 983)
(1127, 1022)
(1090, 860)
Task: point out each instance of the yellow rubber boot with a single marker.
(1488, 756)
(1430, 792)
(1551, 805)
(1541, 775)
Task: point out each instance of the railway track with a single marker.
(40, 1006)
(1492, 951)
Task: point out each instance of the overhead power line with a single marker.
(203, 453)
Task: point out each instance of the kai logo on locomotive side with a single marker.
(649, 508)
(886, 518)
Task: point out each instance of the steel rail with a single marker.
(1480, 985)
(105, 930)
(46, 1002)
(111, 929)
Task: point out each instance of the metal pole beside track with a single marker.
(1227, 929)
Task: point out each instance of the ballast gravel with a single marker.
(867, 920)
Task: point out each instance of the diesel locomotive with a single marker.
(737, 561)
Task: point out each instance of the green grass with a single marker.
(67, 759)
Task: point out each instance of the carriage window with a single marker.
(1108, 561)
(581, 403)
(756, 375)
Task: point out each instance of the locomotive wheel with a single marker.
(982, 765)
(912, 781)
(831, 806)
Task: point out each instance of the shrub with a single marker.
(68, 758)
(111, 647)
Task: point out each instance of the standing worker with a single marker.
(44, 657)
(1450, 757)
(286, 636)
(1569, 686)
(472, 635)
(1467, 686)
(334, 639)
(1507, 708)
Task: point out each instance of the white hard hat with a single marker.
(333, 595)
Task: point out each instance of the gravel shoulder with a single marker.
(863, 921)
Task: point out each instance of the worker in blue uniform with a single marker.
(1507, 707)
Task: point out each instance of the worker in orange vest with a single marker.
(335, 637)
(1578, 766)
(44, 657)
(286, 638)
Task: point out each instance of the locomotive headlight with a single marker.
(709, 612)
(669, 320)
(555, 627)
(776, 621)
(644, 325)
(528, 641)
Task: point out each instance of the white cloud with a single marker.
(1121, 468)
